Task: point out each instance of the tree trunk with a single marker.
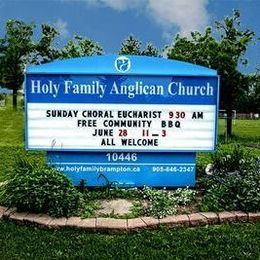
(229, 123)
(15, 99)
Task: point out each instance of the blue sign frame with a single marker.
(63, 71)
(127, 68)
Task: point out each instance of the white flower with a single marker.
(209, 169)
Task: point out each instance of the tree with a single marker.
(17, 49)
(249, 100)
(79, 47)
(132, 46)
(223, 53)
(44, 50)
(150, 50)
(255, 93)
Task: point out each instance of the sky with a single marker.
(109, 22)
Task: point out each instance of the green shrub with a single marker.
(220, 195)
(235, 183)
(183, 196)
(232, 158)
(160, 203)
(40, 189)
(234, 192)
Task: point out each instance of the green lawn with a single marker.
(236, 241)
(245, 131)
(11, 139)
(11, 127)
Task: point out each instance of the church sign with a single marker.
(128, 119)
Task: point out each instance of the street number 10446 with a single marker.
(121, 157)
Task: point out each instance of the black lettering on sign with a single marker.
(197, 115)
(139, 142)
(107, 142)
(87, 123)
(170, 124)
(103, 132)
(145, 132)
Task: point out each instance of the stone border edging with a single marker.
(112, 225)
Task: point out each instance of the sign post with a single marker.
(129, 120)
